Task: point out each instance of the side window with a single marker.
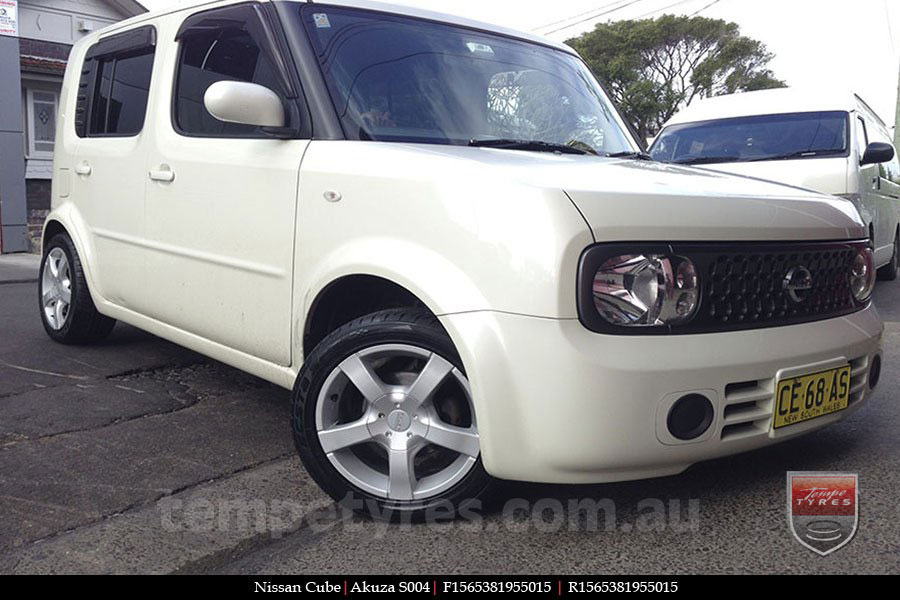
(115, 85)
(891, 169)
(221, 45)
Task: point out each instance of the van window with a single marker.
(221, 46)
(115, 85)
(889, 170)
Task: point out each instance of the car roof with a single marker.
(768, 102)
(398, 9)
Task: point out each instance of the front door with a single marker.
(221, 197)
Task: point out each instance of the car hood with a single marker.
(825, 175)
(640, 200)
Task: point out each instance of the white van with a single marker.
(441, 236)
(827, 141)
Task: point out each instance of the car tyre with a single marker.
(66, 307)
(890, 271)
(355, 383)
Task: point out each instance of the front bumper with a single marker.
(557, 403)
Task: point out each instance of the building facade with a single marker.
(35, 39)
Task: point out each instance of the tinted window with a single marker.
(128, 94)
(394, 78)
(891, 169)
(115, 85)
(210, 54)
(763, 137)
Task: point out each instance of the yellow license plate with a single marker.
(806, 397)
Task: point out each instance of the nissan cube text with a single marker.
(441, 236)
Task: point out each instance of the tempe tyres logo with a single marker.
(823, 509)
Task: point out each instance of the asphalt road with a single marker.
(138, 456)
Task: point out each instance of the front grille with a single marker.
(744, 284)
(749, 288)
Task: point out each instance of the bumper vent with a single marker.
(749, 404)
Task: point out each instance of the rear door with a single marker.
(221, 197)
(109, 167)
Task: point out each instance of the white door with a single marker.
(109, 164)
(221, 198)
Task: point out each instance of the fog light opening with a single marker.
(875, 371)
(690, 417)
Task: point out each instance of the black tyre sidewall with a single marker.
(83, 323)
(63, 242)
(890, 271)
(466, 495)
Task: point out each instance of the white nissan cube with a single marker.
(442, 237)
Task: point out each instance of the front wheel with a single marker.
(67, 310)
(889, 271)
(384, 422)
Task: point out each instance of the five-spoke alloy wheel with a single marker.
(67, 309)
(383, 413)
(56, 288)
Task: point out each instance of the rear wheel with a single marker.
(67, 310)
(890, 271)
(384, 422)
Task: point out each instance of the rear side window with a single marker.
(115, 85)
(226, 44)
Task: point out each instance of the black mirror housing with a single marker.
(876, 153)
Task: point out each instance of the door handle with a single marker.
(83, 168)
(163, 173)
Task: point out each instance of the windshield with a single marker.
(763, 137)
(395, 78)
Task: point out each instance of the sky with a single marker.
(853, 44)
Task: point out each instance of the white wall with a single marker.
(60, 20)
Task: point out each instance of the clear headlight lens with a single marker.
(862, 274)
(646, 290)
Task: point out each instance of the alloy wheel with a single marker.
(56, 288)
(397, 421)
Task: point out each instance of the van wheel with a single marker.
(67, 310)
(384, 422)
(889, 271)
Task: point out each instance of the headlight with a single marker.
(646, 290)
(862, 274)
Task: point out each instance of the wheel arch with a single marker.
(349, 297)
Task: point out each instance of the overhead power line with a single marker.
(569, 18)
(713, 3)
(673, 5)
(591, 18)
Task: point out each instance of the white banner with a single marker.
(9, 21)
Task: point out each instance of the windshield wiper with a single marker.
(536, 145)
(632, 155)
(702, 160)
(797, 154)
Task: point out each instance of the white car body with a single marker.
(874, 189)
(228, 247)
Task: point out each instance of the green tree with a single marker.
(654, 67)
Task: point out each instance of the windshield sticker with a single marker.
(321, 20)
(476, 47)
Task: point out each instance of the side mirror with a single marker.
(876, 153)
(244, 103)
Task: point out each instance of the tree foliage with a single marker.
(654, 67)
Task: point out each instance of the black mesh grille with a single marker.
(749, 287)
(742, 284)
